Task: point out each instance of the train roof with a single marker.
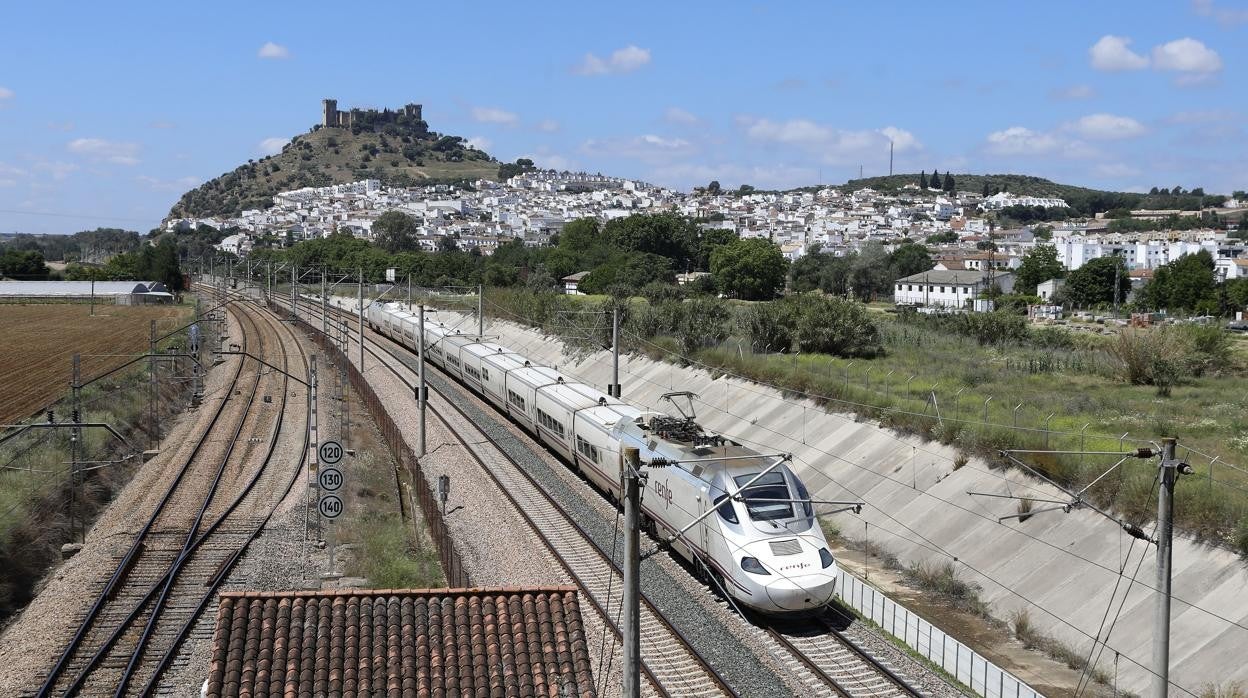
(535, 375)
(508, 361)
(484, 349)
(606, 416)
(567, 395)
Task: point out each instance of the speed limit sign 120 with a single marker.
(330, 453)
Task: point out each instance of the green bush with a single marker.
(813, 324)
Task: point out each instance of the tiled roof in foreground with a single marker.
(428, 642)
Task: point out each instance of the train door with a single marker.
(704, 526)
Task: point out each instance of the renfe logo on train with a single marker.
(663, 492)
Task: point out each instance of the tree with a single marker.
(869, 272)
(666, 234)
(750, 269)
(945, 238)
(23, 264)
(508, 170)
(395, 231)
(713, 188)
(908, 259)
(985, 191)
(1039, 265)
(745, 189)
(923, 179)
(1043, 232)
(448, 243)
(579, 235)
(1239, 195)
(949, 184)
(1188, 283)
(1093, 283)
(934, 183)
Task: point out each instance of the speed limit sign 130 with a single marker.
(330, 453)
(330, 479)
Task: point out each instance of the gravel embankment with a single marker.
(31, 642)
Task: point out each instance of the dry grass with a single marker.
(1033, 639)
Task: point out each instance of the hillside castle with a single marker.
(330, 116)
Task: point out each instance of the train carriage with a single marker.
(521, 387)
(750, 520)
(494, 370)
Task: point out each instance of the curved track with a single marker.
(673, 667)
(828, 661)
(186, 548)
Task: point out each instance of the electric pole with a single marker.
(324, 314)
(1170, 467)
(614, 389)
(294, 290)
(632, 579)
(361, 320)
(75, 436)
(480, 310)
(422, 391)
(1117, 272)
(151, 386)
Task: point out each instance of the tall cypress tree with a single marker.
(949, 182)
(923, 179)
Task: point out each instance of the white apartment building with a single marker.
(948, 289)
(1075, 250)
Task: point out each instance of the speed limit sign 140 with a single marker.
(330, 453)
(330, 506)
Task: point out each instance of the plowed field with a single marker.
(37, 344)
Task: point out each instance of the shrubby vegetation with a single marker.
(811, 323)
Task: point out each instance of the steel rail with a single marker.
(128, 558)
(698, 658)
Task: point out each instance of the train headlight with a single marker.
(825, 557)
(753, 566)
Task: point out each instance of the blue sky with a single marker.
(109, 111)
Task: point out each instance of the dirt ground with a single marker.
(38, 341)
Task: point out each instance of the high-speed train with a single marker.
(762, 545)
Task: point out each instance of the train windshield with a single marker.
(768, 499)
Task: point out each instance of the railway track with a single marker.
(838, 663)
(826, 660)
(192, 539)
(672, 666)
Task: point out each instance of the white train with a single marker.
(762, 544)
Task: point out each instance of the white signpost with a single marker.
(330, 479)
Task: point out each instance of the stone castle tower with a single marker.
(330, 116)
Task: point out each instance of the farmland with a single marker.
(39, 341)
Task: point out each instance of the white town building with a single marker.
(948, 289)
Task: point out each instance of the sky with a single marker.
(109, 111)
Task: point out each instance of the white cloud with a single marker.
(1202, 116)
(56, 169)
(273, 145)
(1019, 140)
(1224, 16)
(1074, 92)
(5, 93)
(101, 150)
(1112, 53)
(480, 143)
(548, 126)
(1115, 170)
(1187, 55)
(835, 146)
(648, 147)
(545, 159)
(492, 115)
(1106, 127)
(273, 51)
(624, 60)
(9, 175)
(180, 184)
(676, 115)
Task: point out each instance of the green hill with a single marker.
(1083, 200)
(398, 150)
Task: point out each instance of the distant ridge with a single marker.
(395, 147)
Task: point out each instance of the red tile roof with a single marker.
(427, 642)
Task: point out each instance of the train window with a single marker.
(766, 499)
(550, 423)
(515, 399)
(723, 505)
(587, 449)
(485, 373)
(804, 495)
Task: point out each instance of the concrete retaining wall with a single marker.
(1061, 568)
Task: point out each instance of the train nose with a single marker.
(801, 593)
